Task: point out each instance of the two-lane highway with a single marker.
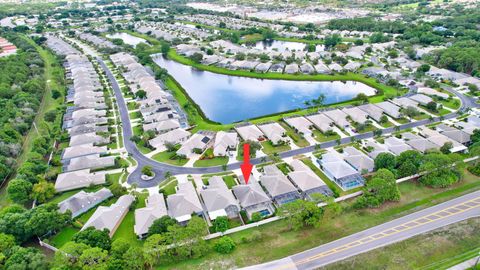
(432, 218)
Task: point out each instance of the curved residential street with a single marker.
(458, 209)
(161, 168)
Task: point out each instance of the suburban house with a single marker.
(110, 217)
(374, 149)
(162, 126)
(300, 124)
(88, 162)
(88, 138)
(457, 135)
(338, 117)
(340, 171)
(421, 98)
(440, 139)
(83, 201)
(396, 146)
(277, 185)
(274, 132)
(306, 180)
(219, 200)
(321, 122)
(253, 199)
(78, 179)
(249, 133)
(224, 143)
(184, 203)
(197, 142)
(358, 160)
(390, 109)
(418, 143)
(176, 136)
(154, 209)
(357, 115)
(83, 150)
(373, 111)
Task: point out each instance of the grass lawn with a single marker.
(284, 168)
(367, 128)
(135, 115)
(402, 120)
(421, 116)
(452, 103)
(167, 157)
(321, 137)
(296, 138)
(63, 236)
(137, 130)
(125, 230)
(132, 105)
(230, 181)
(280, 242)
(216, 161)
(169, 188)
(445, 247)
(269, 148)
(114, 177)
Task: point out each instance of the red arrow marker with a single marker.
(246, 166)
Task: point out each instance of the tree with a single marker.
(191, 236)
(147, 170)
(224, 245)
(332, 40)
(197, 57)
(18, 190)
(133, 258)
(381, 188)
(165, 48)
(222, 25)
(27, 259)
(439, 170)
(424, 68)
(221, 224)
(141, 94)
(93, 259)
(385, 160)
(155, 246)
(43, 191)
(7, 242)
(69, 255)
(160, 226)
(362, 98)
(432, 106)
(50, 116)
(446, 147)
(378, 37)
(93, 238)
(301, 213)
(383, 119)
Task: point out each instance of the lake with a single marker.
(128, 39)
(227, 99)
(281, 46)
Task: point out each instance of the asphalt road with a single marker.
(161, 168)
(432, 218)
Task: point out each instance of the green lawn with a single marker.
(230, 181)
(269, 148)
(167, 157)
(445, 247)
(452, 103)
(125, 230)
(299, 140)
(114, 177)
(284, 168)
(135, 115)
(169, 188)
(216, 161)
(132, 105)
(321, 137)
(64, 236)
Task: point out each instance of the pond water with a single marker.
(128, 39)
(227, 99)
(281, 46)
